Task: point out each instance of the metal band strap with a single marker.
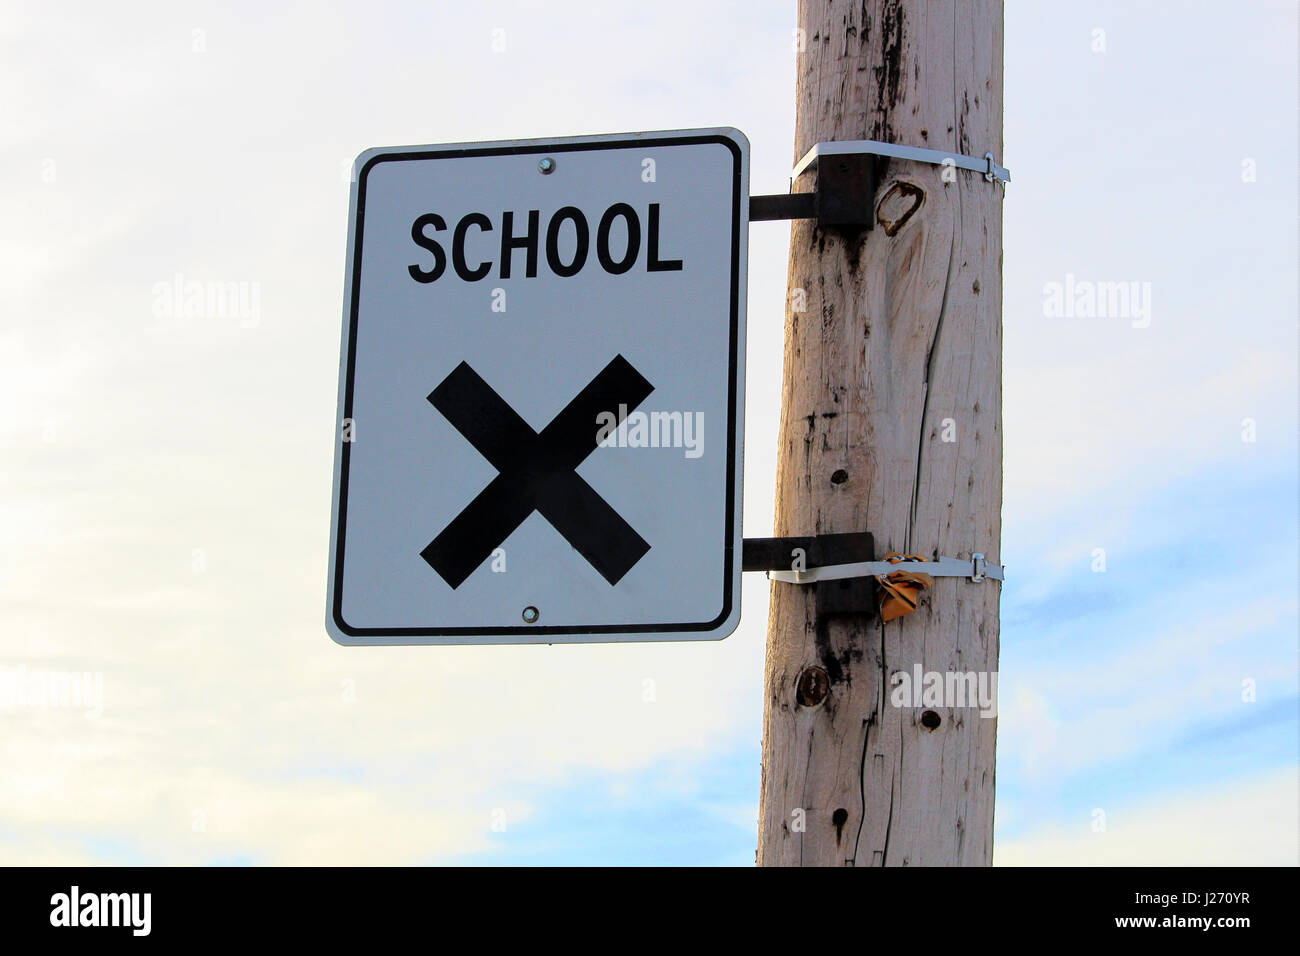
(975, 567)
(855, 147)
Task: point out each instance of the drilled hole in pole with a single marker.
(930, 720)
(839, 818)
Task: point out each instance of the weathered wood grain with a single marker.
(900, 329)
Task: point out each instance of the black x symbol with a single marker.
(536, 473)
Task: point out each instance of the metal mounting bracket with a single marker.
(840, 596)
(918, 154)
(848, 172)
(842, 569)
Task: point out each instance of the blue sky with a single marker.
(166, 480)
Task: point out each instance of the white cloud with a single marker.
(1250, 822)
(1101, 430)
(1116, 702)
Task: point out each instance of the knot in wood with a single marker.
(812, 687)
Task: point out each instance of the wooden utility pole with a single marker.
(891, 423)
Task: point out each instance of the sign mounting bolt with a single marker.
(531, 614)
(546, 166)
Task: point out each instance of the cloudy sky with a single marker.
(166, 478)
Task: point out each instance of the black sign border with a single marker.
(344, 448)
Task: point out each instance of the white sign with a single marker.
(541, 392)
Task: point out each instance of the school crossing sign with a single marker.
(541, 392)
